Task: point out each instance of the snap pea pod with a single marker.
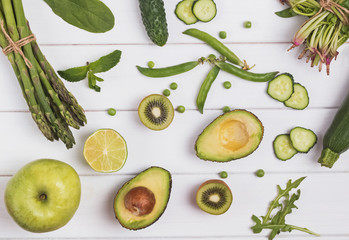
(205, 88)
(168, 71)
(215, 44)
(250, 76)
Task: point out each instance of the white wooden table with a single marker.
(323, 206)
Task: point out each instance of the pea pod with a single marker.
(168, 71)
(250, 76)
(205, 88)
(215, 44)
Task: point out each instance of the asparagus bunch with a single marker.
(324, 32)
(52, 106)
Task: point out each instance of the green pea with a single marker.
(151, 64)
(227, 84)
(226, 109)
(181, 109)
(260, 173)
(247, 24)
(222, 34)
(112, 111)
(223, 174)
(166, 92)
(173, 86)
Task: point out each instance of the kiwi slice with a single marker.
(214, 197)
(156, 112)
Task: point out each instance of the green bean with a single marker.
(205, 88)
(250, 76)
(168, 71)
(215, 44)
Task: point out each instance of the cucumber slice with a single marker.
(281, 87)
(283, 147)
(205, 10)
(184, 12)
(299, 99)
(302, 139)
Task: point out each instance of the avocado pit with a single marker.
(140, 201)
(233, 135)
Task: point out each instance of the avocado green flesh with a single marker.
(233, 135)
(157, 180)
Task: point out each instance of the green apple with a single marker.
(43, 195)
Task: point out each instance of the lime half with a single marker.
(105, 151)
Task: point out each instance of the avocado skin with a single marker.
(222, 116)
(130, 182)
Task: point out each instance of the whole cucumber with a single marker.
(154, 20)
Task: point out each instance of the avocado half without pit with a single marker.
(231, 136)
(142, 200)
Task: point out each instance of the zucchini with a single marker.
(283, 147)
(299, 99)
(281, 87)
(184, 12)
(154, 20)
(302, 139)
(336, 139)
(205, 10)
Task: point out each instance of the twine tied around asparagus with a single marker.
(17, 46)
(330, 5)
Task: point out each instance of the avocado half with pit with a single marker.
(142, 200)
(231, 136)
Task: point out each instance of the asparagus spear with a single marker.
(22, 75)
(62, 131)
(58, 85)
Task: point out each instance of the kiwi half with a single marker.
(156, 112)
(214, 197)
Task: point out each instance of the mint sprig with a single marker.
(103, 64)
(283, 204)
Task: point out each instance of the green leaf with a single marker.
(105, 63)
(74, 74)
(277, 221)
(287, 13)
(90, 15)
(92, 81)
(257, 228)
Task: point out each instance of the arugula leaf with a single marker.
(281, 193)
(286, 13)
(74, 74)
(277, 222)
(106, 63)
(90, 15)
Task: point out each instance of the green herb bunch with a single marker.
(52, 106)
(279, 208)
(324, 32)
(103, 64)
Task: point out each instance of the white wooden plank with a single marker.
(172, 148)
(124, 86)
(267, 27)
(182, 218)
